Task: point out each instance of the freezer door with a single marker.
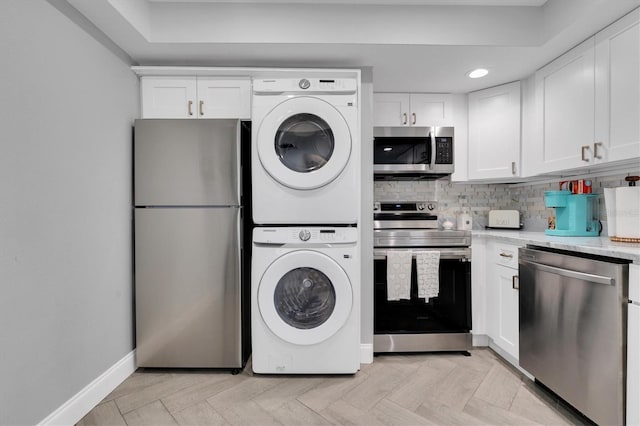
(186, 162)
(187, 285)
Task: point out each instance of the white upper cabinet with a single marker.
(565, 107)
(168, 97)
(494, 132)
(617, 68)
(222, 98)
(588, 102)
(195, 97)
(415, 109)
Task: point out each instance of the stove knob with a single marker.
(304, 235)
(304, 83)
(421, 206)
(431, 206)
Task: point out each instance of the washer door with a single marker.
(304, 143)
(304, 297)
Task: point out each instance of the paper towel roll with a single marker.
(628, 212)
(610, 207)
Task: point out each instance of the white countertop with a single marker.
(602, 246)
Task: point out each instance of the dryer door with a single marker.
(304, 143)
(305, 297)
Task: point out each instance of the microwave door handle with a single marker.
(432, 166)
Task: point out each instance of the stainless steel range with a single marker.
(418, 324)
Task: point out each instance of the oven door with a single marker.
(450, 312)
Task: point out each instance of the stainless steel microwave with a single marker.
(406, 153)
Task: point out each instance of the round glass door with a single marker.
(304, 297)
(304, 143)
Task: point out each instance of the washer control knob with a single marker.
(304, 235)
(304, 83)
(431, 206)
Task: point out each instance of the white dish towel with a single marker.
(428, 266)
(398, 274)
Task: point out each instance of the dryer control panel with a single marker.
(302, 84)
(305, 234)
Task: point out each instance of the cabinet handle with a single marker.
(190, 105)
(513, 168)
(584, 149)
(510, 256)
(515, 282)
(201, 108)
(413, 114)
(404, 114)
(595, 150)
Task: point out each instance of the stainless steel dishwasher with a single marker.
(573, 316)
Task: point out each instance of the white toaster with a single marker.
(504, 219)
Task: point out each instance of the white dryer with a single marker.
(305, 151)
(305, 300)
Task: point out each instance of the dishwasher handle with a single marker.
(599, 279)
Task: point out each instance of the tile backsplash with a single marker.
(478, 199)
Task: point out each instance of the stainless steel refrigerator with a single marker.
(188, 244)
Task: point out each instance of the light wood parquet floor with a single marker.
(417, 389)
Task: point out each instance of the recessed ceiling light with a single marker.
(478, 72)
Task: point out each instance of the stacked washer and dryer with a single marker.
(305, 266)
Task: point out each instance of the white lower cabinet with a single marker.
(633, 348)
(502, 298)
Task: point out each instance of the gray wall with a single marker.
(66, 109)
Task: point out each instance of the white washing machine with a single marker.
(305, 300)
(305, 151)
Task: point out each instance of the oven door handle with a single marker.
(445, 253)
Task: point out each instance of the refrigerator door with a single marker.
(186, 163)
(187, 280)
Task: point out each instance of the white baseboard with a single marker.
(81, 403)
(366, 353)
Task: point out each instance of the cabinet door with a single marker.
(565, 108)
(633, 348)
(617, 57)
(633, 366)
(502, 298)
(508, 330)
(224, 98)
(391, 109)
(494, 132)
(168, 97)
(431, 110)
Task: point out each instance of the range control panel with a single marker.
(307, 234)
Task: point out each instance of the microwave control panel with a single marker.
(444, 150)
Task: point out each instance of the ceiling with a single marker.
(411, 45)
